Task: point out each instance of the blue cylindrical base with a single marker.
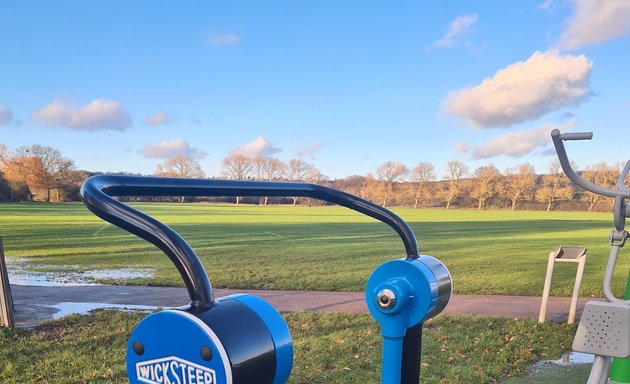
(241, 339)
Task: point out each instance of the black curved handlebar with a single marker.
(558, 139)
(96, 192)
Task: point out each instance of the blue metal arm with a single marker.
(96, 192)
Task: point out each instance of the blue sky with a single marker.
(345, 85)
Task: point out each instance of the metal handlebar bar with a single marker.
(621, 181)
(576, 136)
(620, 210)
(96, 192)
(558, 139)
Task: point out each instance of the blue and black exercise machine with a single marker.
(241, 339)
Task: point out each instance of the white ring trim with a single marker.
(215, 339)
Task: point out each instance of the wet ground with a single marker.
(37, 303)
(39, 296)
(22, 271)
(69, 308)
(573, 367)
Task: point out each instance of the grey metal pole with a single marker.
(547, 289)
(6, 300)
(576, 289)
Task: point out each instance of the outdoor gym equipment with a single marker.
(241, 339)
(6, 299)
(576, 255)
(604, 328)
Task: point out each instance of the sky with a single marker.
(344, 85)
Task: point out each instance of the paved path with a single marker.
(35, 304)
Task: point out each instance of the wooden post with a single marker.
(6, 300)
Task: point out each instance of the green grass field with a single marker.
(319, 248)
(329, 348)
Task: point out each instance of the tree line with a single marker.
(42, 173)
(517, 187)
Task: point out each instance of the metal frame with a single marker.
(96, 192)
(553, 258)
(618, 236)
(6, 299)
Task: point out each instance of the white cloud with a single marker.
(224, 40)
(462, 25)
(545, 4)
(97, 115)
(6, 115)
(596, 21)
(462, 148)
(524, 91)
(259, 147)
(518, 144)
(166, 149)
(159, 118)
(308, 151)
(163, 118)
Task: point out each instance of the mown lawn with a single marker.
(319, 248)
(329, 348)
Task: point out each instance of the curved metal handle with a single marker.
(621, 180)
(558, 139)
(96, 192)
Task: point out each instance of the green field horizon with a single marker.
(317, 248)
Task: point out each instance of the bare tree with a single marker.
(455, 172)
(617, 167)
(274, 168)
(365, 189)
(519, 183)
(39, 167)
(601, 174)
(484, 184)
(180, 166)
(421, 174)
(299, 170)
(389, 173)
(351, 184)
(70, 183)
(268, 169)
(371, 189)
(258, 167)
(554, 186)
(236, 167)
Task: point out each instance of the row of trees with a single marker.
(394, 183)
(41, 173)
(38, 172)
(240, 167)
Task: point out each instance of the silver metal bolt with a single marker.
(386, 298)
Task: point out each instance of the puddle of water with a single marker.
(44, 280)
(117, 274)
(21, 273)
(571, 358)
(68, 308)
